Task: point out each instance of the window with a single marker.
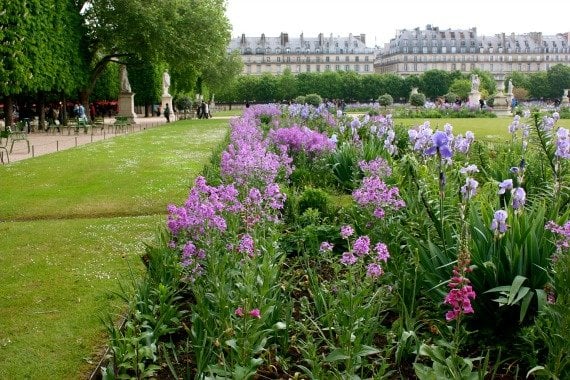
(356, 59)
(357, 68)
(347, 59)
(267, 59)
(327, 59)
(319, 68)
(337, 58)
(308, 69)
(268, 51)
(337, 67)
(288, 50)
(346, 67)
(367, 68)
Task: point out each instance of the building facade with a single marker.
(413, 52)
(273, 55)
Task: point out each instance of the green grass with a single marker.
(72, 224)
(136, 174)
(496, 129)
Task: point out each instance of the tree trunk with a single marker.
(41, 111)
(9, 111)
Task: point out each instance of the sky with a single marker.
(381, 19)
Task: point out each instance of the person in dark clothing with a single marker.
(167, 113)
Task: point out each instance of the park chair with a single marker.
(19, 134)
(82, 122)
(121, 124)
(4, 135)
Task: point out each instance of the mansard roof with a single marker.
(353, 44)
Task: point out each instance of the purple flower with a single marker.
(468, 170)
(505, 185)
(469, 190)
(239, 312)
(361, 246)
(519, 198)
(499, 222)
(440, 145)
(348, 258)
(326, 247)
(246, 245)
(346, 231)
(382, 252)
(374, 270)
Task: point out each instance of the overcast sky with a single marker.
(380, 19)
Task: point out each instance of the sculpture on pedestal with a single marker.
(165, 83)
(124, 77)
(474, 83)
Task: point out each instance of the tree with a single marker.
(539, 88)
(220, 73)
(461, 87)
(435, 83)
(185, 34)
(288, 85)
(41, 49)
(558, 79)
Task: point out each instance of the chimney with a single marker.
(363, 38)
(321, 39)
(284, 39)
(242, 41)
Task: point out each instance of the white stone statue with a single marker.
(510, 88)
(165, 83)
(125, 85)
(474, 83)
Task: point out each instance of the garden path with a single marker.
(44, 143)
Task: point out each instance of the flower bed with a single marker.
(331, 246)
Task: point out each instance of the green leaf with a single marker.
(541, 298)
(232, 343)
(280, 326)
(367, 351)
(524, 305)
(517, 283)
(336, 355)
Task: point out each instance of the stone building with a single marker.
(304, 54)
(416, 51)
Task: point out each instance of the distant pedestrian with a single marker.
(167, 113)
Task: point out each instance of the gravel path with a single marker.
(44, 143)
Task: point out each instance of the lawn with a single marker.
(72, 224)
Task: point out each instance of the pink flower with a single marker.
(382, 252)
(255, 313)
(239, 312)
(326, 247)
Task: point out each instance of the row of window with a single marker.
(453, 49)
(484, 58)
(308, 68)
(305, 59)
(298, 50)
(418, 67)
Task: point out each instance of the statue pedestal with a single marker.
(126, 106)
(167, 99)
(474, 97)
(501, 105)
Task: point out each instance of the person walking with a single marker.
(167, 113)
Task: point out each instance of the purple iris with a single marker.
(440, 145)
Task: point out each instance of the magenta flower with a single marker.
(246, 245)
(255, 313)
(326, 247)
(459, 298)
(374, 270)
(346, 231)
(239, 312)
(361, 246)
(348, 258)
(382, 252)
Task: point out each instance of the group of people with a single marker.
(203, 110)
